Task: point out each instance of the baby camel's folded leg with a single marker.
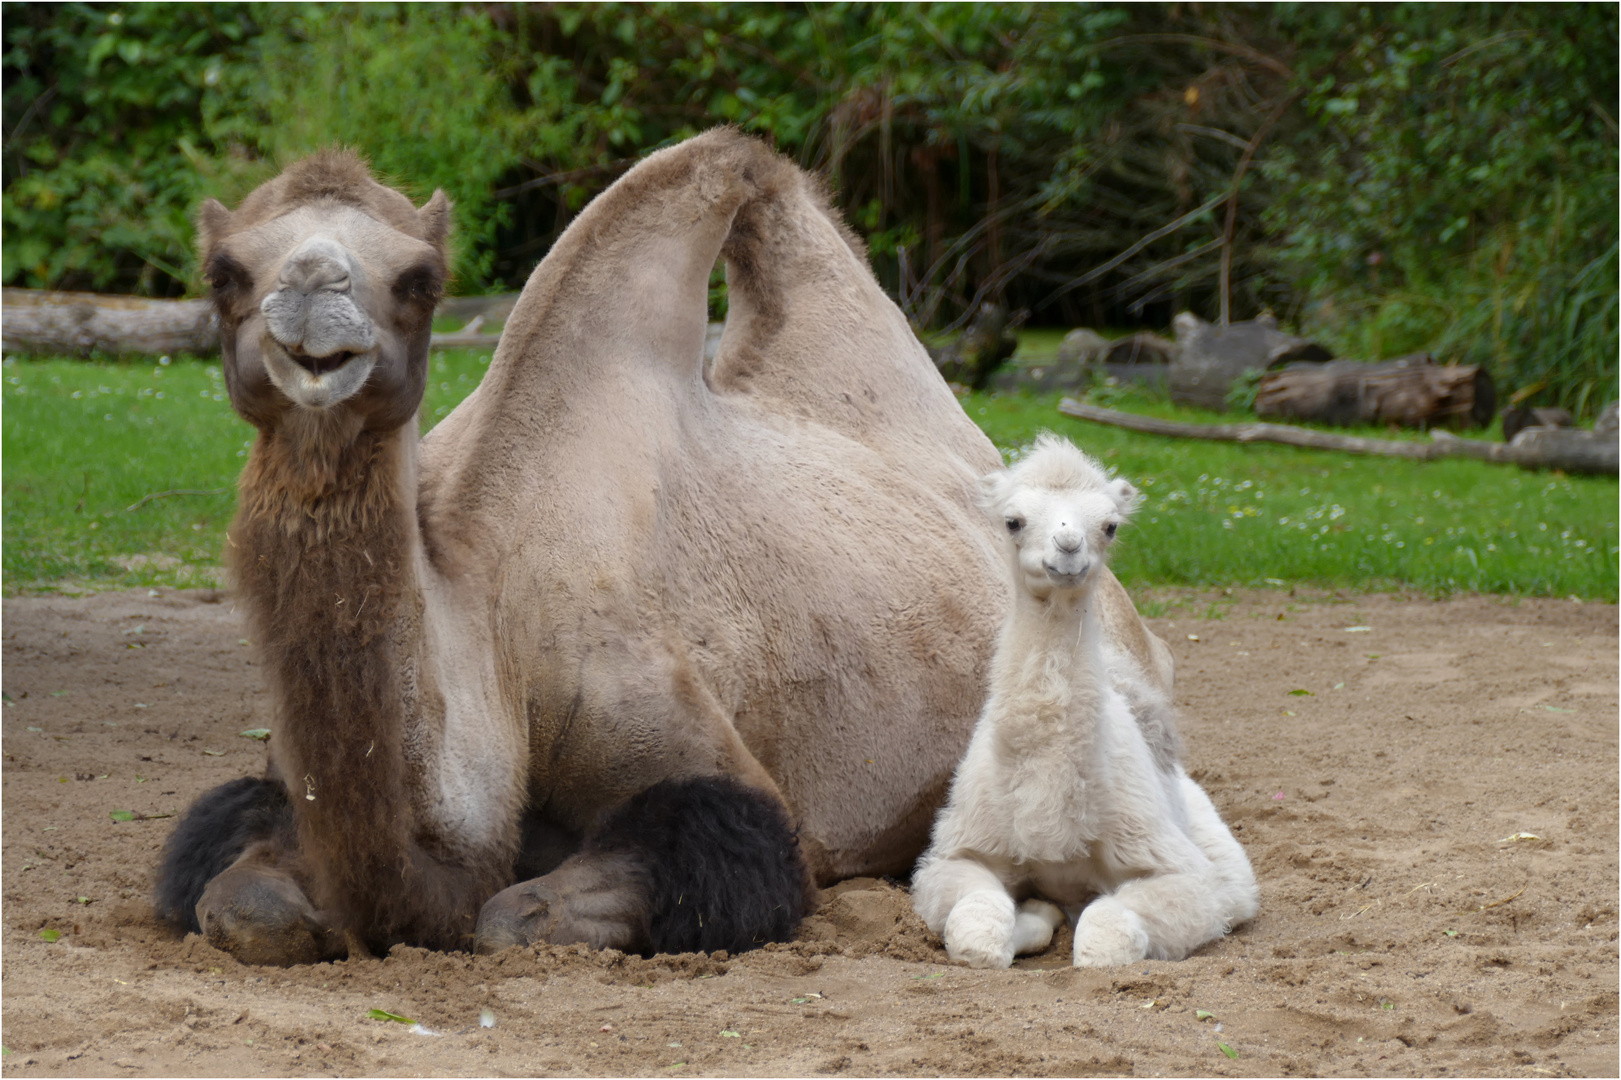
(1034, 925)
(969, 907)
(1109, 933)
(1164, 916)
(1240, 897)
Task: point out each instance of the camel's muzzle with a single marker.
(1067, 571)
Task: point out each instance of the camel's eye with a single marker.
(225, 275)
(1014, 524)
(421, 284)
(1108, 530)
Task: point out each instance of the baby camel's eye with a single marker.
(1108, 530)
(1014, 524)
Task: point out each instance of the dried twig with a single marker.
(1496, 903)
(172, 492)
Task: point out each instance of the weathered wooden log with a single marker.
(1210, 358)
(1411, 392)
(1567, 449)
(74, 324)
(1140, 349)
(492, 309)
(1520, 417)
(45, 323)
(1571, 450)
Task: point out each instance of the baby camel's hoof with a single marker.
(261, 916)
(1109, 934)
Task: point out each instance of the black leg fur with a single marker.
(542, 845)
(213, 833)
(721, 861)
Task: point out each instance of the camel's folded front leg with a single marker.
(964, 902)
(1109, 933)
(1162, 917)
(686, 866)
(600, 900)
(258, 912)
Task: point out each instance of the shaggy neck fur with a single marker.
(1048, 660)
(1048, 687)
(324, 548)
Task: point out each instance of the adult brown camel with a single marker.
(614, 615)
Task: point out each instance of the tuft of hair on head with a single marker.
(1053, 463)
(335, 172)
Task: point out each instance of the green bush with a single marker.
(1392, 177)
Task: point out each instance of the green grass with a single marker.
(1229, 514)
(84, 441)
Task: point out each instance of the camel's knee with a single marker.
(1109, 934)
(260, 915)
(940, 882)
(979, 930)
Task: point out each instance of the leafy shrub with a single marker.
(1393, 177)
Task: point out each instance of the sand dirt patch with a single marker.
(1401, 931)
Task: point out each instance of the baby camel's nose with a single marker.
(1067, 540)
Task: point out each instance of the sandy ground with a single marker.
(1404, 929)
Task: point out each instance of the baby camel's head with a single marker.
(1060, 510)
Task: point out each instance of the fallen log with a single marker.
(1571, 450)
(1534, 448)
(1518, 418)
(1210, 358)
(41, 322)
(1413, 392)
(75, 324)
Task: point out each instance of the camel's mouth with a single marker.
(1067, 577)
(317, 382)
(320, 365)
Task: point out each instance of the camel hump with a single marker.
(810, 329)
(809, 333)
(628, 280)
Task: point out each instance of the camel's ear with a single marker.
(992, 491)
(435, 218)
(1126, 496)
(213, 222)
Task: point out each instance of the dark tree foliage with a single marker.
(1392, 176)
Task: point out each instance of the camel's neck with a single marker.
(1048, 676)
(326, 556)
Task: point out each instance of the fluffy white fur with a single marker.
(1071, 787)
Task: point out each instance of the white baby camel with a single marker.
(1071, 785)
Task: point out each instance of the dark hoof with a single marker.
(597, 900)
(261, 916)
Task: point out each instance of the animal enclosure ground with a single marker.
(1427, 790)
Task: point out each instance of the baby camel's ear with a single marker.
(1126, 497)
(992, 490)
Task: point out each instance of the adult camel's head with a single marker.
(325, 282)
